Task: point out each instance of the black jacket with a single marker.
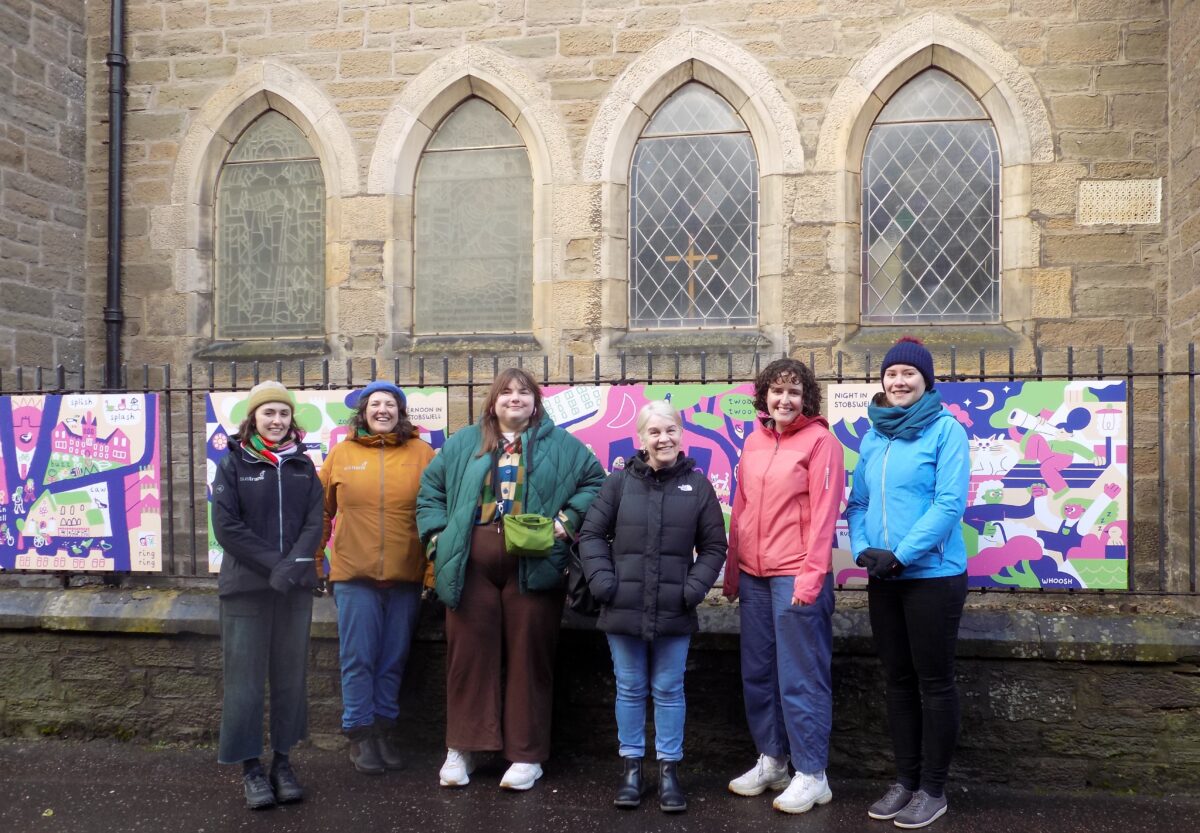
(637, 546)
(266, 518)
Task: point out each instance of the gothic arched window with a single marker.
(270, 235)
(931, 207)
(693, 216)
(473, 241)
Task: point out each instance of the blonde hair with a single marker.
(657, 407)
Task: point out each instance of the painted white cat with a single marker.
(993, 455)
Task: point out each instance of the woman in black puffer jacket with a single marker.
(652, 545)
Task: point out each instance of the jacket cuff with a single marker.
(805, 589)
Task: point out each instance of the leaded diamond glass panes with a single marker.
(270, 234)
(694, 216)
(931, 208)
(474, 226)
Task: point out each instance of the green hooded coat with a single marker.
(562, 476)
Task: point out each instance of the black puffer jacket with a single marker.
(264, 514)
(637, 543)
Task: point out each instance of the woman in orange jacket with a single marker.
(789, 489)
(377, 565)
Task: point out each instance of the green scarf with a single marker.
(905, 423)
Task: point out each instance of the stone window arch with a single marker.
(270, 234)
(473, 226)
(693, 208)
(931, 207)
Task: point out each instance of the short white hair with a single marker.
(657, 407)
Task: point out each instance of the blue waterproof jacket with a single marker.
(909, 497)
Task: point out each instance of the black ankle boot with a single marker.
(363, 752)
(387, 743)
(670, 792)
(633, 784)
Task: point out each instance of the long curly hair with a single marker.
(794, 371)
(404, 429)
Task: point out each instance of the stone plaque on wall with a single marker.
(1120, 201)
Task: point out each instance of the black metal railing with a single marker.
(1161, 402)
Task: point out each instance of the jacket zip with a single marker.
(381, 510)
(279, 503)
(771, 462)
(883, 488)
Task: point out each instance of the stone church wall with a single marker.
(42, 205)
(1183, 295)
(1077, 90)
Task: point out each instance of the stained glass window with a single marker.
(474, 226)
(693, 216)
(270, 234)
(931, 207)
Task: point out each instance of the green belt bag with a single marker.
(529, 535)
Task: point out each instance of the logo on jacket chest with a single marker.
(262, 475)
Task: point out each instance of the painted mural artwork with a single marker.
(324, 415)
(79, 483)
(716, 417)
(1048, 500)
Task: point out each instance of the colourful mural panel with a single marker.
(79, 483)
(1048, 501)
(716, 419)
(324, 416)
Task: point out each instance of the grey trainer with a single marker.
(922, 810)
(893, 801)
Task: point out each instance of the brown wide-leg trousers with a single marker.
(500, 646)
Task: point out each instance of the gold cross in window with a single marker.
(692, 258)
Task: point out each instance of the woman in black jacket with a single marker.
(652, 545)
(267, 507)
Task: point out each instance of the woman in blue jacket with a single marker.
(267, 507)
(905, 512)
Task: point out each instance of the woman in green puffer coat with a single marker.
(499, 605)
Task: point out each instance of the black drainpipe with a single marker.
(113, 313)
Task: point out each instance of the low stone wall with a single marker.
(1050, 699)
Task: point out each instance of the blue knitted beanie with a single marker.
(385, 386)
(910, 351)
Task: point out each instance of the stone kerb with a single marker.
(711, 59)
(442, 86)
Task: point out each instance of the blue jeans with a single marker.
(787, 651)
(375, 630)
(643, 668)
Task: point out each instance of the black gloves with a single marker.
(880, 563)
(293, 574)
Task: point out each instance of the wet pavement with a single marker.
(59, 786)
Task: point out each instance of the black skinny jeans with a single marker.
(915, 625)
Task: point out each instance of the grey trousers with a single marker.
(264, 636)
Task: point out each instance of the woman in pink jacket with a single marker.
(789, 489)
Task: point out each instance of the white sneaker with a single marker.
(768, 774)
(521, 776)
(803, 793)
(456, 769)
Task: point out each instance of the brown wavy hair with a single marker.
(404, 429)
(489, 425)
(789, 370)
(248, 428)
